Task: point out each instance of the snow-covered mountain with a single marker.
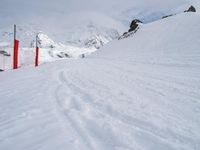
(65, 27)
(87, 35)
(82, 34)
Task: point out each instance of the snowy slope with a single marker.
(140, 93)
(69, 27)
(173, 36)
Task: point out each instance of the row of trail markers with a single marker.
(16, 51)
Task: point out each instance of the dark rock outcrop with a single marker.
(134, 26)
(63, 55)
(134, 22)
(168, 16)
(191, 9)
(4, 53)
(125, 33)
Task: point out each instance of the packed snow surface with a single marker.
(140, 93)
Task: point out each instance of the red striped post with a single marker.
(15, 53)
(36, 57)
(37, 53)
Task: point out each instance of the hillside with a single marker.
(139, 93)
(176, 36)
(73, 30)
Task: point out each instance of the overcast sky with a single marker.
(47, 6)
(15, 10)
(33, 6)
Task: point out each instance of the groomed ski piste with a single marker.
(139, 93)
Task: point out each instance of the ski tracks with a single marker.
(98, 115)
(67, 107)
(80, 110)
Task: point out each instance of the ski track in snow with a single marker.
(81, 98)
(131, 107)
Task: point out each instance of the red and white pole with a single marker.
(37, 53)
(15, 54)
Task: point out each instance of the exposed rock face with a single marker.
(134, 22)
(4, 53)
(134, 26)
(168, 16)
(125, 33)
(191, 9)
(63, 55)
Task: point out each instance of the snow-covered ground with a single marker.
(140, 93)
